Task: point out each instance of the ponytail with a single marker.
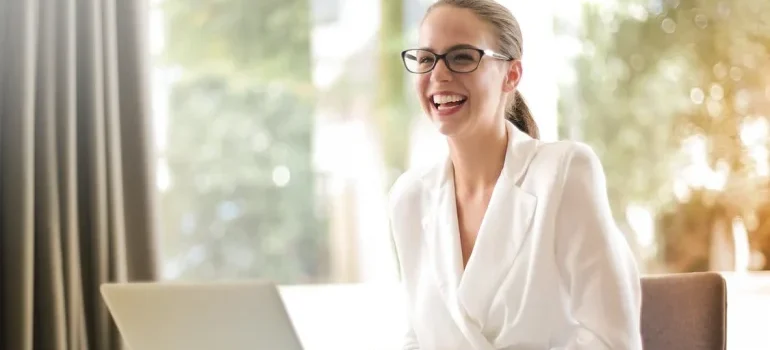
(519, 114)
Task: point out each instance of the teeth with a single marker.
(447, 98)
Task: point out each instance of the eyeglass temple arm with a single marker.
(497, 55)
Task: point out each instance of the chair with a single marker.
(684, 312)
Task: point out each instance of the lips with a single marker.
(447, 103)
(447, 100)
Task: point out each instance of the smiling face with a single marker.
(462, 103)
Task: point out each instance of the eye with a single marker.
(462, 58)
(425, 60)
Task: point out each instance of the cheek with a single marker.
(421, 83)
(486, 91)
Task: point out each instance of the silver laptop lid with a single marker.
(247, 315)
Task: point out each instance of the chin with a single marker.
(449, 124)
(446, 130)
(447, 127)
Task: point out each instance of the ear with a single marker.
(513, 76)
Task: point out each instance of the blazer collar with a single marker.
(520, 151)
(468, 294)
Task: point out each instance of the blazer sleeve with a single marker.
(596, 265)
(410, 339)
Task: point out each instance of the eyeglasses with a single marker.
(459, 60)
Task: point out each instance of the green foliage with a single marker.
(616, 84)
(393, 113)
(242, 201)
(265, 40)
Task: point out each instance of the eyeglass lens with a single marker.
(459, 60)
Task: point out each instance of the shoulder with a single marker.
(568, 159)
(582, 166)
(406, 188)
(564, 151)
(405, 197)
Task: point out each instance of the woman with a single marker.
(509, 242)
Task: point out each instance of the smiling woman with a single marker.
(466, 58)
(508, 242)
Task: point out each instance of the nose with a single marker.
(440, 72)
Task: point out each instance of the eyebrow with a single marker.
(453, 47)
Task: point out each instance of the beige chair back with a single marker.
(684, 312)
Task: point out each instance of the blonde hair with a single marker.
(510, 41)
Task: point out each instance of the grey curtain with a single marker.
(76, 189)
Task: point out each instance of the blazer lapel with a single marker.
(467, 295)
(442, 242)
(441, 231)
(504, 229)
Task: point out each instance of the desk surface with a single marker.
(369, 316)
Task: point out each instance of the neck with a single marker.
(478, 159)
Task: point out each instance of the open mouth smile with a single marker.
(447, 104)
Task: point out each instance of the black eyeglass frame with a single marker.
(482, 53)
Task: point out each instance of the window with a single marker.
(275, 157)
(325, 11)
(240, 195)
(270, 164)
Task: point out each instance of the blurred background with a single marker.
(281, 125)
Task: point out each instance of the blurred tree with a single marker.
(665, 72)
(727, 44)
(617, 75)
(761, 235)
(393, 115)
(242, 198)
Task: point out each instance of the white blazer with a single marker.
(550, 270)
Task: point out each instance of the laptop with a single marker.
(201, 316)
